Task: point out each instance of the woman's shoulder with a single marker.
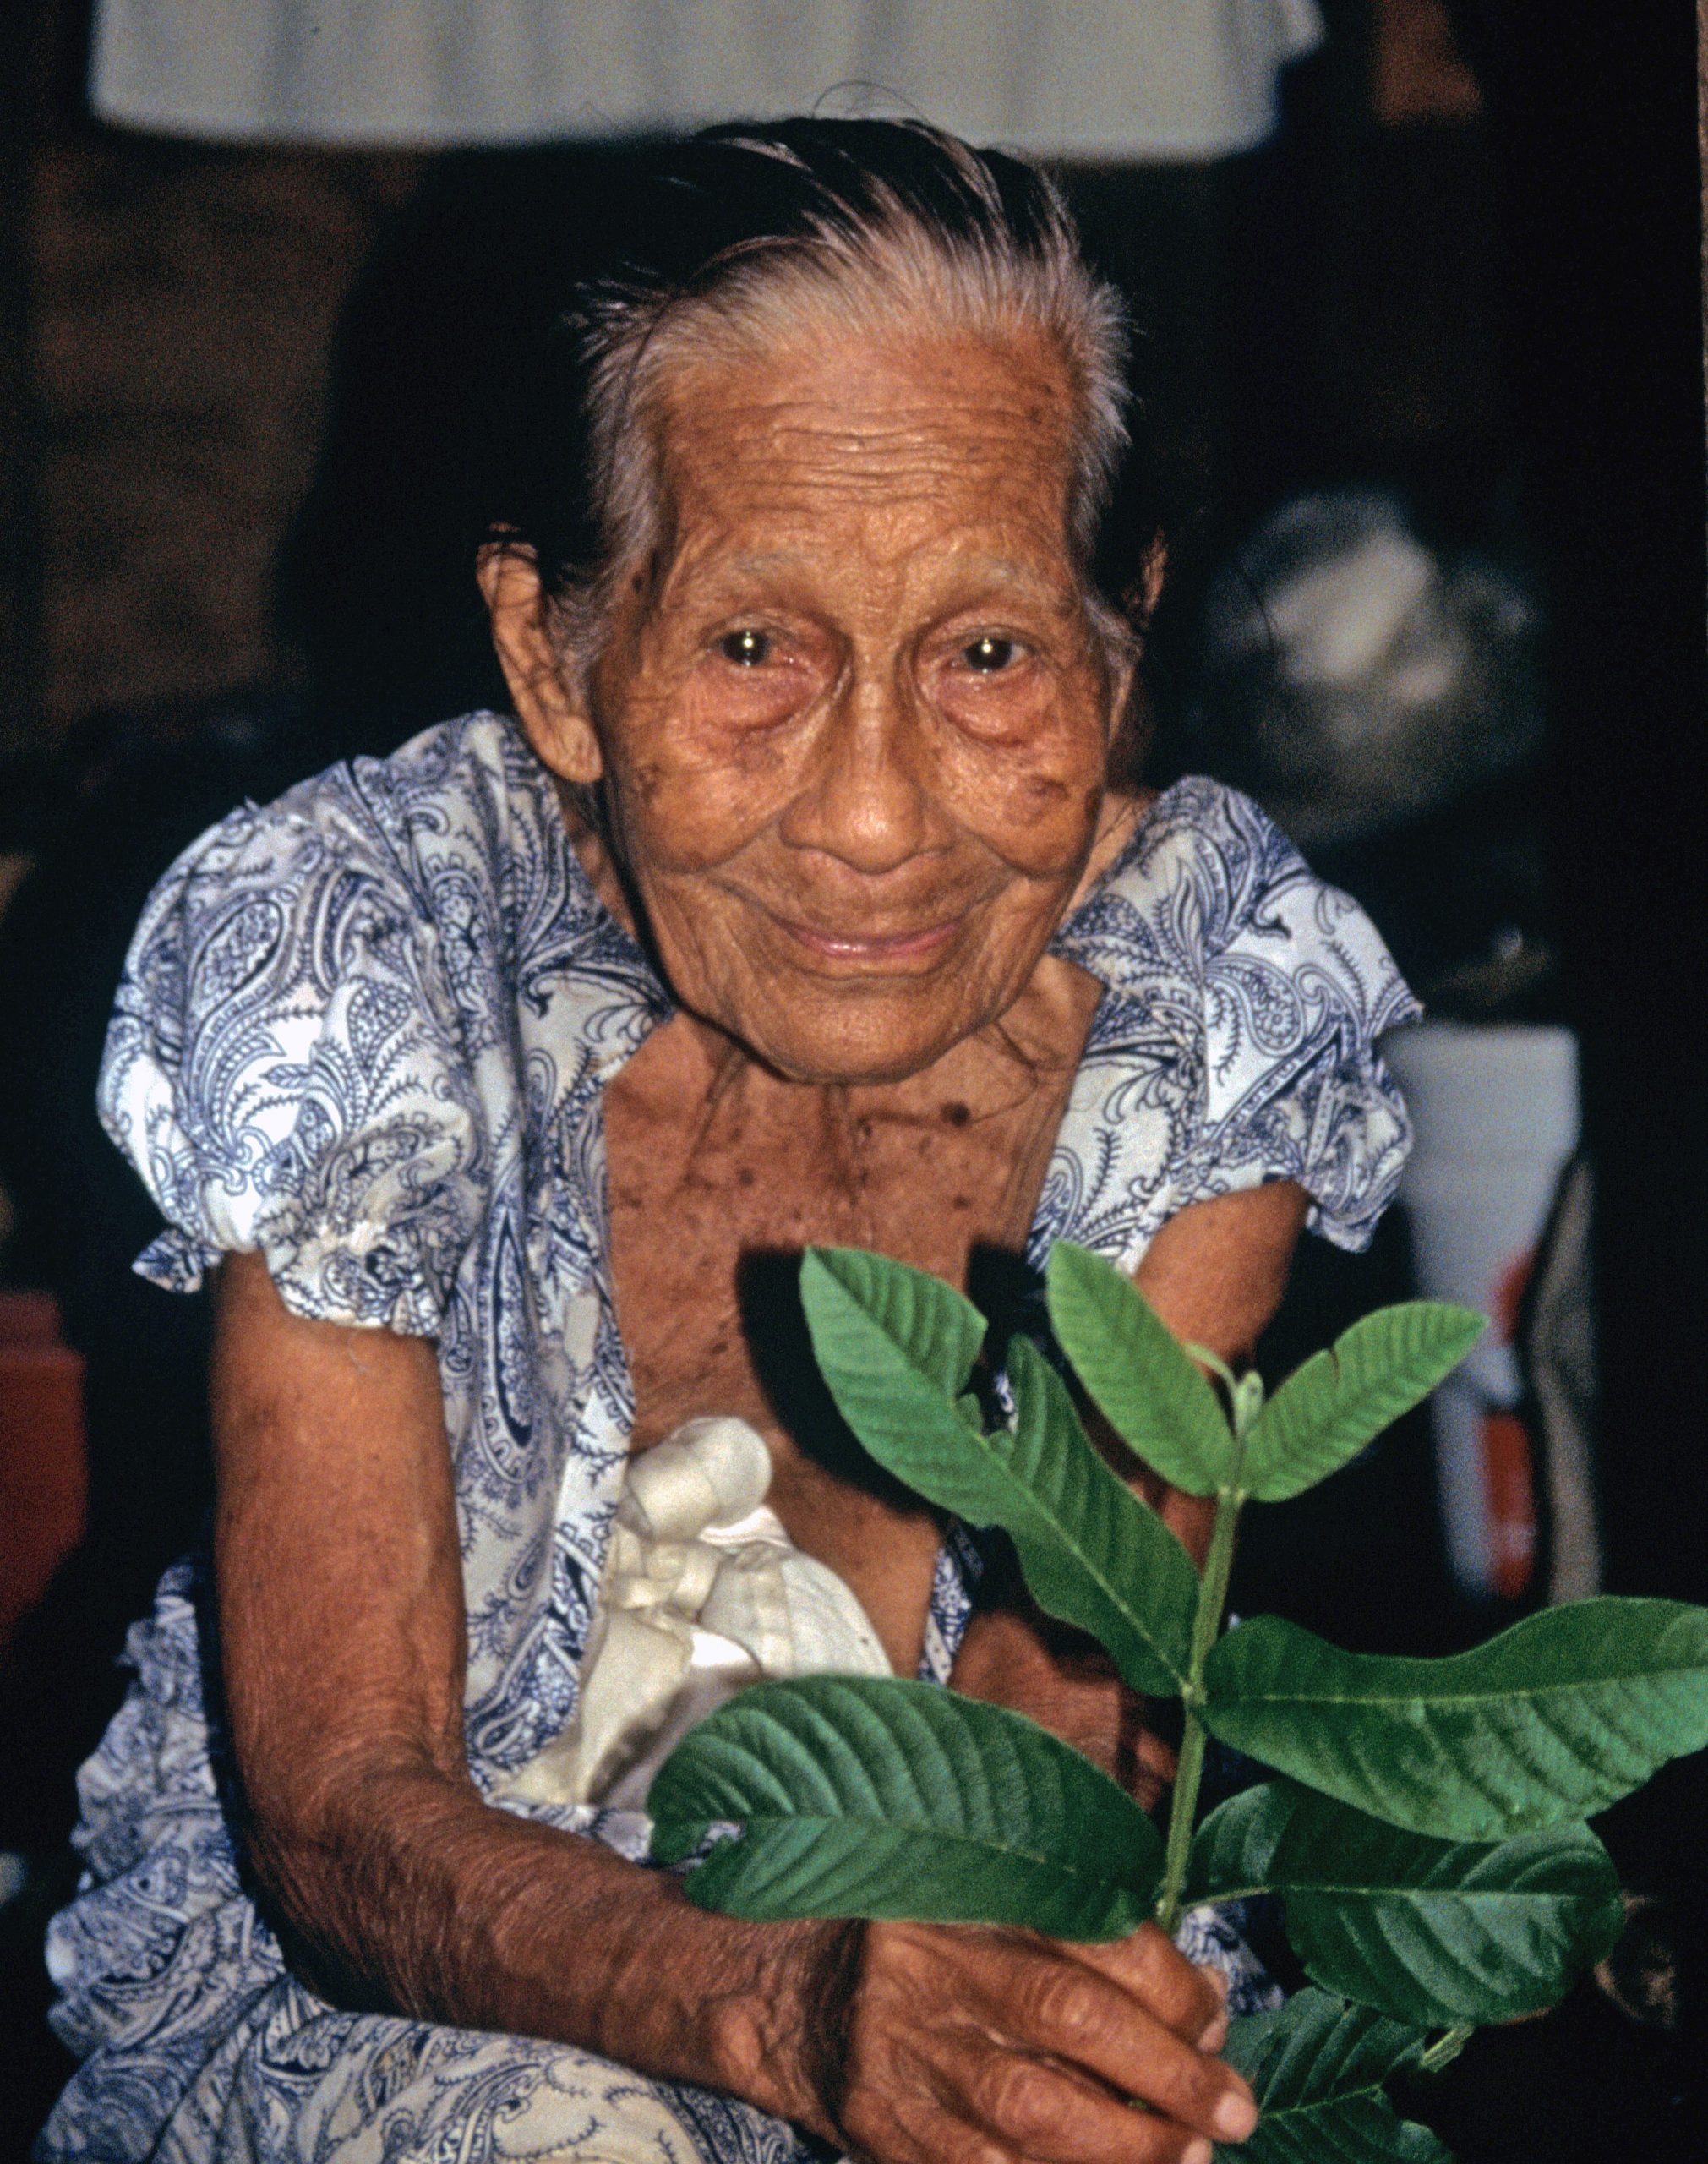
(1198, 861)
(1209, 897)
(1200, 835)
(1239, 1044)
(469, 788)
(452, 843)
(298, 1057)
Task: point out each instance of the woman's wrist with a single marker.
(613, 1958)
(779, 2038)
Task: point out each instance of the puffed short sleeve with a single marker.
(1297, 988)
(285, 1069)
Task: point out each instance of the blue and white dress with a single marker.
(367, 1031)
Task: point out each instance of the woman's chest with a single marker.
(717, 1181)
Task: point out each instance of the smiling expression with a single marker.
(855, 721)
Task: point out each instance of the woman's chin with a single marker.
(853, 1040)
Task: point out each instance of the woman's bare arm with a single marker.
(342, 1643)
(341, 1638)
(1215, 1273)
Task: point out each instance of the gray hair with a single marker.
(865, 224)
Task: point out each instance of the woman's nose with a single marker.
(867, 803)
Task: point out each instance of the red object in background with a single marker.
(1509, 1488)
(44, 1471)
(1507, 1307)
(1508, 1457)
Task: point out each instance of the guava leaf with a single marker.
(936, 1331)
(1443, 1933)
(1317, 2067)
(1093, 1553)
(869, 1796)
(1233, 1851)
(1554, 1719)
(1326, 1411)
(1135, 1372)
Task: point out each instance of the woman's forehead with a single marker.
(893, 436)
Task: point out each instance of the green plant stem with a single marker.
(1212, 1594)
(1445, 2050)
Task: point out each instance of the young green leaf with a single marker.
(1093, 1554)
(868, 1796)
(1317, 2067)
(1327, 1410)
(1135, 1372)
(1438, 1932)
(1553, 1720)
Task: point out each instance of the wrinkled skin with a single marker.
(855, 726)
(852, 728)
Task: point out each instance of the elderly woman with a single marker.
(807, 897)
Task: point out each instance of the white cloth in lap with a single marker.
(366, 1032)
(704, 1593)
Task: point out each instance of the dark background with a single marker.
(239, 456)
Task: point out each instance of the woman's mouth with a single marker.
(874, 953)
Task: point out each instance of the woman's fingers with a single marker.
(1191, 2000)
(1108, 2026)
(1213, 2038)
(1047, 2113)
(1032, 2053)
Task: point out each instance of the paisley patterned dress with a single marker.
(367, 1031)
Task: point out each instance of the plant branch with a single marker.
(1213, 1593)
(1181, 1812)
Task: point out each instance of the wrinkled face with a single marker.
(855, 721)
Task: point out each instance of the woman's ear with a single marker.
(1141, 594)
(554, 716)
(1138, 603)
(1149, 582)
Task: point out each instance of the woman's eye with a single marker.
(988, 655)
(746, 649)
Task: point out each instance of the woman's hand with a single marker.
(930, 2044)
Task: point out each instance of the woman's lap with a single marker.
(293, 2081)
(297, 2083)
